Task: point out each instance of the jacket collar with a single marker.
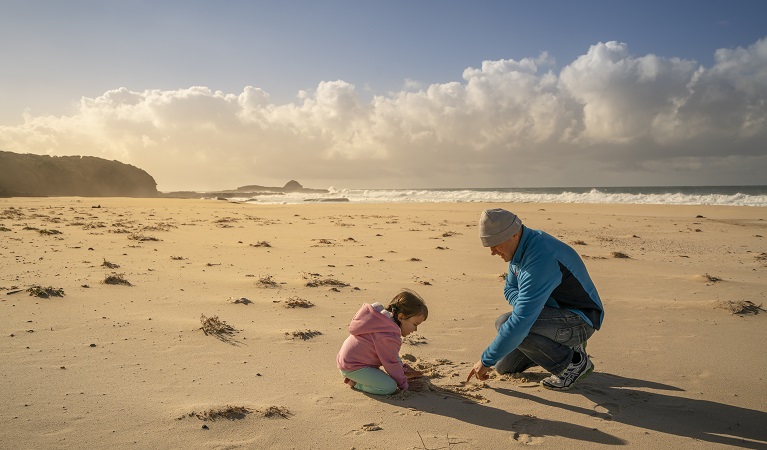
(524, 240)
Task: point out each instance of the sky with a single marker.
(207, 95)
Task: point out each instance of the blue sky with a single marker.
(62, 58)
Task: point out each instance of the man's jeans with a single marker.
(549, 344)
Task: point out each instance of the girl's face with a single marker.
(410, 324)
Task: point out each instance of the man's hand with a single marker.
(480, 371)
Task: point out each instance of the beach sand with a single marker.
(680, 360)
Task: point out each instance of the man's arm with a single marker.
(536, 283)
(511, 289)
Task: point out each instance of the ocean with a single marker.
(654, 195)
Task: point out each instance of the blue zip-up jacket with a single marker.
(544, 271)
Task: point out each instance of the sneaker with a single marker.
(573, 373)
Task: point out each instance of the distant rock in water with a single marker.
(292, 186)
(336, 199)
(83, 176)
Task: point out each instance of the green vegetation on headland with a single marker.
(28, 175)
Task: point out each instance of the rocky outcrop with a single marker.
(83, 176)
(290, 186)
(251, 190)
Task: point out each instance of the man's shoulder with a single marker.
(539, 239)
(541, 246)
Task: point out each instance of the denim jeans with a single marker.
(549, 344)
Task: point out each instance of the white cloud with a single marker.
(609, 117)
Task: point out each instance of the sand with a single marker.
(680, 360)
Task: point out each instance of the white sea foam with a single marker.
(682, 196)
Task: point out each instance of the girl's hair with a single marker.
(409, 304)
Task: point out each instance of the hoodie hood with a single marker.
(370, 320)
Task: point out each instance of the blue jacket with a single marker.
(544, 271)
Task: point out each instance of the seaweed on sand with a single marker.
(45, 292)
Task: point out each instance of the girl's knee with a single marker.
(377, 390)
(389, 387)
(386, 391)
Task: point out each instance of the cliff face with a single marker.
(83, 176)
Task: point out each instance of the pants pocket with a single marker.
(572, 336)
(564, 334)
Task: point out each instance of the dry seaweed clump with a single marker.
(303, 334)
(711, 278)
(230, 412)
(45, 292)
(619, 255)
(227, 412)
(261, 244)
(11, 213)
(275, 411)
(49, 232)
(110, 265)
(267, 281)
(240, 300)
(298, 302)
(116, 278)
(315, 281)
(740, 307)
(214, 326)
(141, 238)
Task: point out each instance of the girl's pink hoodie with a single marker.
(374, 341)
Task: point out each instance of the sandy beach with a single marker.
(116, 356)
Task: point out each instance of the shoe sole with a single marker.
(567, 388)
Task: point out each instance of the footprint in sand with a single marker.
(410, 412)
(527, 431)
(607, 410)
(365, 429)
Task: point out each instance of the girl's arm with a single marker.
(387, 347)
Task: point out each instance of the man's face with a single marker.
(506, 249)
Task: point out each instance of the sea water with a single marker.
(655, 195)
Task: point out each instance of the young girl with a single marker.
(375, 339)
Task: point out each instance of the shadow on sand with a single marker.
(620, 399)
(486, 416)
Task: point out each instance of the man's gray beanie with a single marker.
(497, 226)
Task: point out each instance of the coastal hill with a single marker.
(28, 175)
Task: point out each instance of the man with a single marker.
(555, 306)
